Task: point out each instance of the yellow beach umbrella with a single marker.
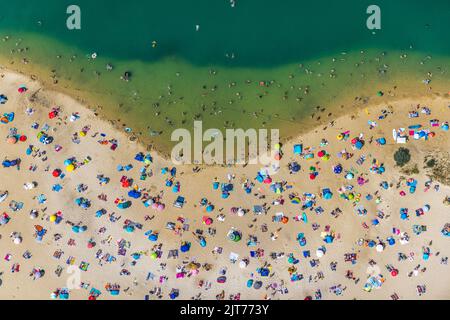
(70, 168)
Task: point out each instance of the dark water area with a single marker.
(260, 33)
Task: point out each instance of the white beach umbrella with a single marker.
(319, 253)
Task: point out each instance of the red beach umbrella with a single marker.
(56, 173)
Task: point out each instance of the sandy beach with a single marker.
(333, 228)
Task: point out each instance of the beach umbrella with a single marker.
(207, 220)
(298, 149)
(221, 279)
(161, 207)
(380, 247)
(124, 205)
(114, 292)
(321, 154)
(235, 236)
(210, 208)
(329, 239)
(23, 138)
(394, 272)
(278, 156)
(337, 169)
(70, 168)
(327, 195)
(258, 285)
(17, 240)
(294, 167)
(68, 162)
(56, 173)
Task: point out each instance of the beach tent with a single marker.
(11, 140)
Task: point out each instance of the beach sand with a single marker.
(347, 228)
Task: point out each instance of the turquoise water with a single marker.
(204, 74)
